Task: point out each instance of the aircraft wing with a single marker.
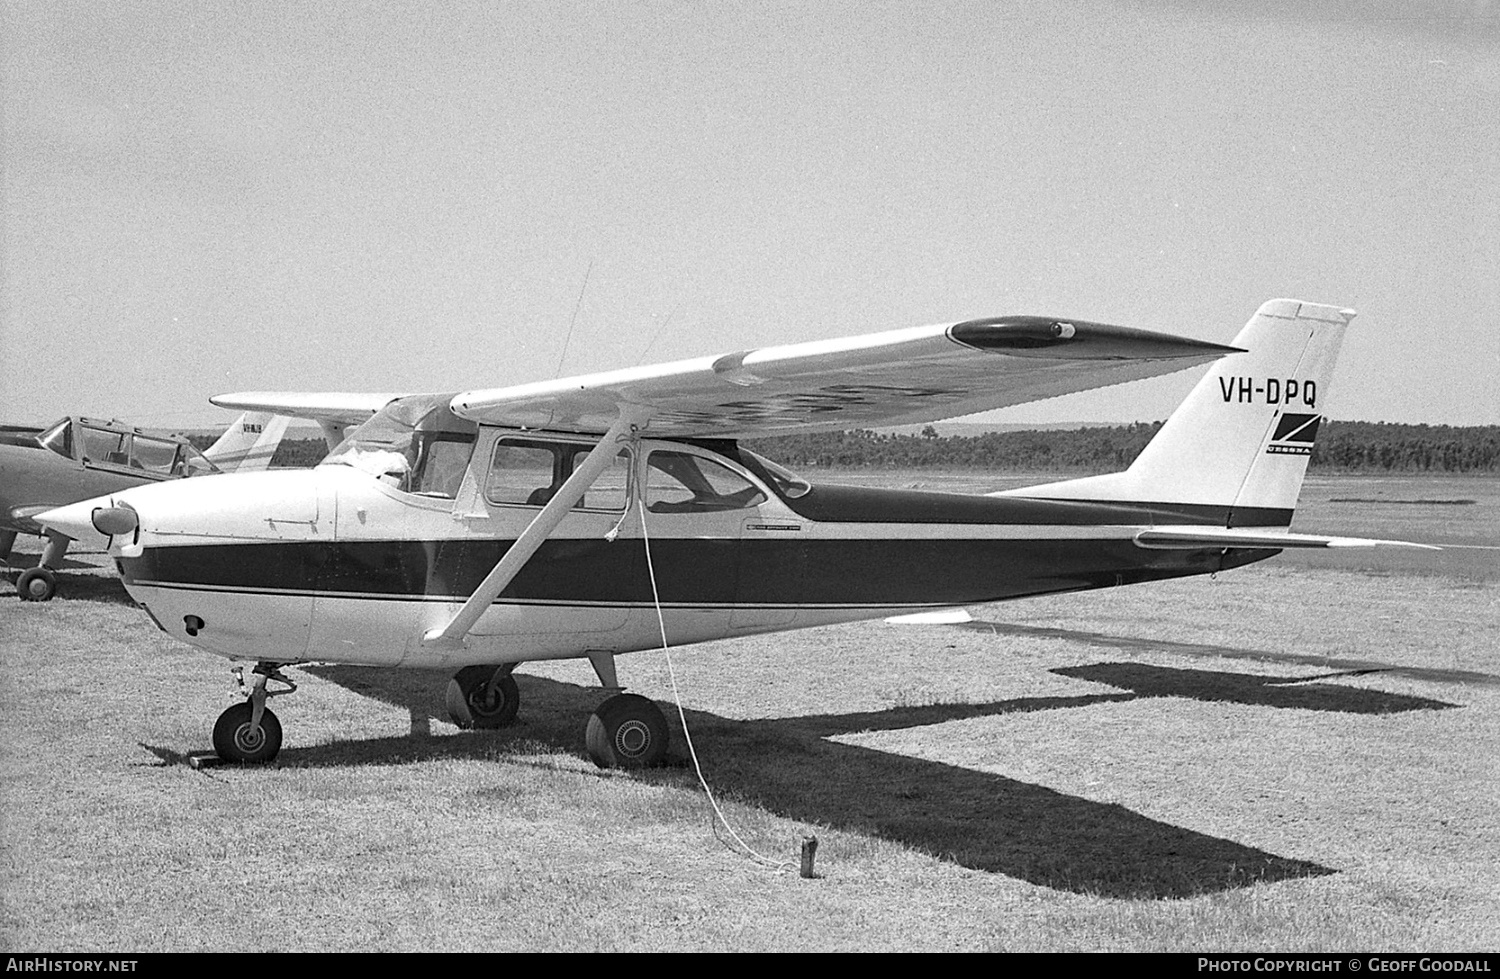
(334, 411)
(336, 407)
(1194, 538)
(900, 377)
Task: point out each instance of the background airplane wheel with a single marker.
(36, 585)
(471, 702)
(627, 731)
(236, 740)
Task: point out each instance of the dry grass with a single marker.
(1145, 768)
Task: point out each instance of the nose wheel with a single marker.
(239, 737)
(249, 733)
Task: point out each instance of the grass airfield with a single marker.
(1300, 755)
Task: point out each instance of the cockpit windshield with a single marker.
(415, 444)
(59, 438)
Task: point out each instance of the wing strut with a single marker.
(536, 533)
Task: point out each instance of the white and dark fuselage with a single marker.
(339, 564)
(469, 531)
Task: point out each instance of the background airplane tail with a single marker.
(1241, 441)
(248, 444)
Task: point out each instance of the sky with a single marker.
(202, 198)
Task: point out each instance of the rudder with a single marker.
(1243, 438)
(249, 442)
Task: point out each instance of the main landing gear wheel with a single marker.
(36, 585)
(627, 731)
(237, 739)
(483, 697)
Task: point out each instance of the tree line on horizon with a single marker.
(1341, 447)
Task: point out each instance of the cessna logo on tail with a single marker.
(1269, 390)
(1294, 434)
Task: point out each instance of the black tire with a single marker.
(473, 704)
(627, 731)
(36, 585)
(235, 741)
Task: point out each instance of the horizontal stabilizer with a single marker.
(946, 616)
(1190, 538)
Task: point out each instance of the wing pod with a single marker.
(1063, 339)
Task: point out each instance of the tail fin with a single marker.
(248, 444)
(1238, 447)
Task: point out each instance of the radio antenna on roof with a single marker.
(572, 322)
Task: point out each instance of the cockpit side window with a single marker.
(531, 471)
(523, 471)
(677, 482)
(442, 460)
(100, 446)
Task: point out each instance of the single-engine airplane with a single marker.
(78, 458)
(480, 530)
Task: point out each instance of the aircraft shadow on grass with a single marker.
(1137, 644)
(975, 819)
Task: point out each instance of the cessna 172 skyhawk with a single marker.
(480, 530)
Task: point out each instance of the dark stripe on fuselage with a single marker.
(712, 572)
(834, 503)
(857, 504)
(1211, 514)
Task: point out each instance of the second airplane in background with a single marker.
(77, 458)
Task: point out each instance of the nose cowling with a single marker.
(275, 505)
(85, 520)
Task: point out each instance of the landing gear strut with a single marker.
(626, 731)
(248, 732)
(484, 697)
(39, 584)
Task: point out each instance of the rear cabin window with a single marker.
(529, 472)
(677, 482)
(154, 455)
